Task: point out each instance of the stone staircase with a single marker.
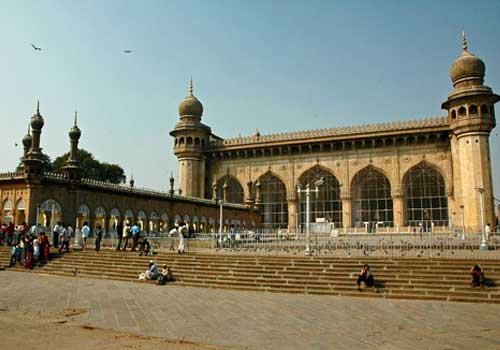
(397, 278)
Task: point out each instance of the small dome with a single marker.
(37, 120)
(190, 105)
(74, 132)
(27, 140)
(467, 65)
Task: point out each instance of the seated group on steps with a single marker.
(152, 274)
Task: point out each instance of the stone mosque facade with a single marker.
(391, 176)
(404, 175)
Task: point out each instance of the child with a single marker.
(16, 252)
(165, 276)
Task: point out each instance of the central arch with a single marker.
(327, 204)
(274, 206)
(372, 200)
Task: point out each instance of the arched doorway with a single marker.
(230, 190)
(100, 218)
(82, 216)
(425, 197)
(49, 213)
(7, 212)
(115, 218)
(372, 200)
(141, 220)
(327, 203)
(274, 206)
(153, 222)
(129, 217)
(20, 212)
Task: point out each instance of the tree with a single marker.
(91, 167)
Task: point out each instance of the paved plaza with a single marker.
(241, 320)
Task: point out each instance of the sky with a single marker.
(273, 65)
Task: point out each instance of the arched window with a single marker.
(473, 110)
(233, 188)
(49, 213)
(462, 112)
(453, 114)
(425, 196)
(274, 206)
(176, 141)
(197, 142)
(189, 140)
(327, 204)
(484, 110)
(181, 140)
(202, 142)
(372, 201)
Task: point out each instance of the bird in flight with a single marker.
(36, 48)
(127, 51)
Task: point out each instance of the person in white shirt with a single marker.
(487, 231)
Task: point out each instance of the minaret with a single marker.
(191, 137)
(171, 180)
(72, 167)
(471, 116)
(33, 160)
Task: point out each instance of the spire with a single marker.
(191, 87)
(38, 107)
(464, 42)
(29, 128)
(76, 116)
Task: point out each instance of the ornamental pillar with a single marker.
(346, 210)
(398, 207)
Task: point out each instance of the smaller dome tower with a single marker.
(72, 167)
(471, 116)
(191, 137)
(33, 157)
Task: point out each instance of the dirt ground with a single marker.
(23, 329)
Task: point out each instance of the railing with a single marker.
(421, 245)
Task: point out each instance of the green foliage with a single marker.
(46, 167)
(91, 167)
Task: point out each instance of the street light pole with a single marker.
(221, 202)
(463, 222)
(308, 191)
(484, 244)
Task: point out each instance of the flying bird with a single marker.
(127, 51)
(36, 48)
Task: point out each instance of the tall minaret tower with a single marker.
(471, 116)
(72, 167)
(33, 158)
(191, 138)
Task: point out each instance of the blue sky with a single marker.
(273, 65)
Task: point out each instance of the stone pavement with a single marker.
(256, 320)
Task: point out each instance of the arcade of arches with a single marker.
(370, 197)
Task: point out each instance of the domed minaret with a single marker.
(27, 139)
(191, 138)
(471, 116)
(33, 159)
(72, 167)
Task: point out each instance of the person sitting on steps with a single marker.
(144, 247)
(477, 276)
(165, 276)
(366, 276)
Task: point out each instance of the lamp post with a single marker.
(221, 204)
(484, 244)
(308, 191)
(463, 221)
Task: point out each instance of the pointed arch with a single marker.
(372, 200)
(425, 197)
(234, 189)
(274, 205)
(327, 204)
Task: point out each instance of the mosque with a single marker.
(387, 176)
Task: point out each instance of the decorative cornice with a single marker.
(340, 131)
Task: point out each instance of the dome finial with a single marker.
(464, 41)
(76, 116)
(29, 128)
(191, 87)
(38, 107)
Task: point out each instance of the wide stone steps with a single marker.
(400, 278)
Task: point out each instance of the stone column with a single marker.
(346, 210)
(249, 201)
(398, 207)
(258, 200)
(225, 192)
(292, 213)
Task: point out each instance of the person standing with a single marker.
(10, 234)
(119, 235)
(85, 233)
(126, 233)
(135, 231)
(66, 236)
(55, 235)
(182, 244)
(98, 237)
(487, 231)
